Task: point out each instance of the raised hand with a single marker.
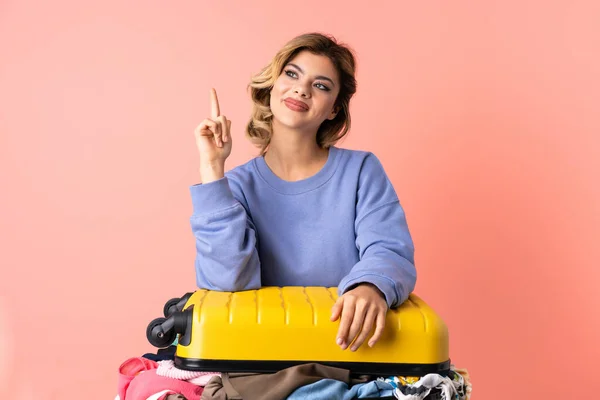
(214, 141)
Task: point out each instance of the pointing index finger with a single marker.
(214, 104)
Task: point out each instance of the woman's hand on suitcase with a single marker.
(358, 309)
(214, 141)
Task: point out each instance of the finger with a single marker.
(214, 104)
(336, 310)
(345, 322)
(380, 324)
(218, 134)
(224, 130)
(228, 130)
(360, 312)
(366, 328)
(206, 128)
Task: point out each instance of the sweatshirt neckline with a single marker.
(301, 186)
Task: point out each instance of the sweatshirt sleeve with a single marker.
(386, 250)
(226, 255)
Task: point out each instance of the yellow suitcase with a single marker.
(273, 328)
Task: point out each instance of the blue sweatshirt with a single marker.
(340, 227)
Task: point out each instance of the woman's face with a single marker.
(304, 95)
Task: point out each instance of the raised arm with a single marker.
(226, 257)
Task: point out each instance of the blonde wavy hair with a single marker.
(259, 128)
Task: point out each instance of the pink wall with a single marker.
(485, 115)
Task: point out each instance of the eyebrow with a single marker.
(316, 77)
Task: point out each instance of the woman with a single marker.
(303, 213)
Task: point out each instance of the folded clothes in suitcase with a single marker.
(273, 328)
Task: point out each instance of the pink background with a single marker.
(484, 114)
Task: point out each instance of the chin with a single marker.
(291, 124)
(289, 118)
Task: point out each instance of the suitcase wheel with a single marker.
(171, 306)
(159, 336)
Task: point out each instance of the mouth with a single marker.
(296, 105)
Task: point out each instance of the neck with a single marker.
(293, 155)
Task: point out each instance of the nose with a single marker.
(302, 90)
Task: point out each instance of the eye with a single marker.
(322, 87)
(290, 73)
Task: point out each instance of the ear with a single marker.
(333, 113)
